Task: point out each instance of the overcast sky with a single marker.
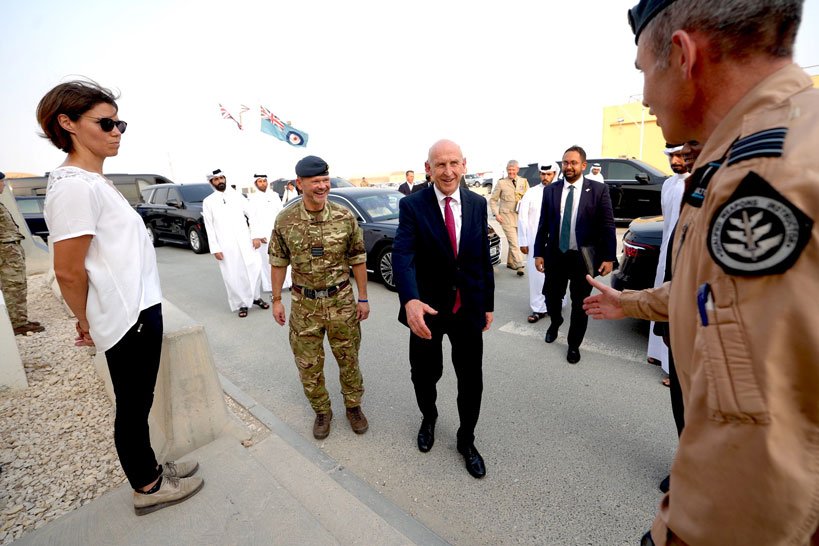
(373, 83)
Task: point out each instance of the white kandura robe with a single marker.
(596, 177)
(528, 221)
(289, 195)
(670, 199)
(264, 207)
(225, 215)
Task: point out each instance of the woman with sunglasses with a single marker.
(106, 268)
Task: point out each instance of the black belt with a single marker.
(323, 293)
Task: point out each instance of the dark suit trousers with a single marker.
(426, 365)
(568, 269)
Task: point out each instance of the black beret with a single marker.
(311, 166)
(642, 14)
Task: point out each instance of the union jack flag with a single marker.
(272, 118)
(227, 115)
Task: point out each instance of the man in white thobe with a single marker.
(528, 219)
(595, 173)
(225, 212)
(670, 199)
(290, 193)
(265, 205)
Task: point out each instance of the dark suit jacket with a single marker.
(426, 268)
(594, 227)
(404, 188)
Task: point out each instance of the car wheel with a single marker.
(152, 236)
(196, 241)
(383, 268)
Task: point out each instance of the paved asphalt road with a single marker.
(574, 453)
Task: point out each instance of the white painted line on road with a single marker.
(524, 329)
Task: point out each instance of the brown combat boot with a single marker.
(357, 420)
(321, 426)
(33, 327)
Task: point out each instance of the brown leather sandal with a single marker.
(242, 312)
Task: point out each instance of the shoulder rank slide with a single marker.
(757, 231)
(767, 143)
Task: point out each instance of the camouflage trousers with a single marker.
(310, 319)
(13, 282)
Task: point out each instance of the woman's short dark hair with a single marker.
(73, 99)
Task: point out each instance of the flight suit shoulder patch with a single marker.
(767, 143)
(757, 231)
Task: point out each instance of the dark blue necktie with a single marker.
(566, 223)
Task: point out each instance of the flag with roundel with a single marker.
(275, 127)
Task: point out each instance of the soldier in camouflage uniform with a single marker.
(13, 271)
(321, 241)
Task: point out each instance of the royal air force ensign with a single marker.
(757, 231)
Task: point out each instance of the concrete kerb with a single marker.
(375, 501)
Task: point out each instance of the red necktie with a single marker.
(449, 220)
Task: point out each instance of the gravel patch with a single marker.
(57, 436)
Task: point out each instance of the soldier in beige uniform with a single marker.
(321, 240)
(13, 271)
(504, 204)
(745, 255)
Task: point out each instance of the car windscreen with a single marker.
(380, 207)
(340, 183)
(195, 193)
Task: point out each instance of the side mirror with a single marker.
(642, 178)
(175, 203)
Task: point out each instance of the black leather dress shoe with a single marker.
(573, 355)
(474, 462)
(426, 436)
(551, 334)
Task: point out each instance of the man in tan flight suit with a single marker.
(745, 256)
(504, 204)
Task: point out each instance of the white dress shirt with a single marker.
(578, 189)
(455, 205)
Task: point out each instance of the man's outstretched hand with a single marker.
(605, 305)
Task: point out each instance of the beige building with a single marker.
(630, 131)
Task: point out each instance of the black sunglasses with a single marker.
(108, 124)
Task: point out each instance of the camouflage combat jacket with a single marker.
(320, 247)
(9, 230)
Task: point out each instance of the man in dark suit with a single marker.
(576, 236)
(407, 186)
(446, 287)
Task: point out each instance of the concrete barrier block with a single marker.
(38, 259)
(189, 408)
(12, 372)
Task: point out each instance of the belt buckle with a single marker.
(322, 293)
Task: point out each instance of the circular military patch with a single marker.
(757, 231)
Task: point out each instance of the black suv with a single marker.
(173, 213)
(29, 192)
(129, 185)
(634, 186)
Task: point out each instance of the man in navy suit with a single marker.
(446, 287)
(576, 236)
